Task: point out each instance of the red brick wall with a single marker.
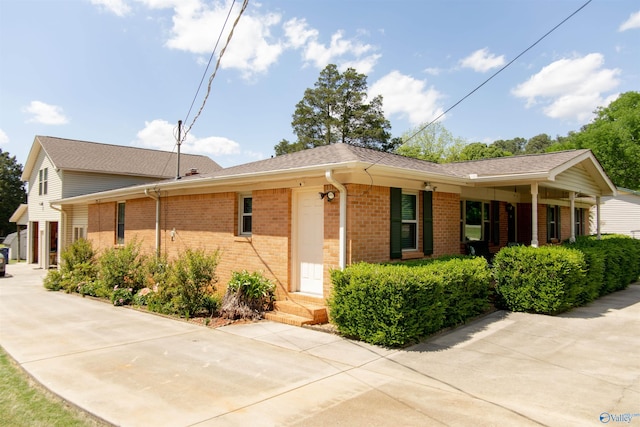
(368, 223)
(446, 224)
(208, 222)
(565, 222)
(102, 225)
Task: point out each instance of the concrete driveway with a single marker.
(137, 369)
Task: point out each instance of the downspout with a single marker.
(157, 199)
(343, 218)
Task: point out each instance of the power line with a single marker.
(204, 74)
(496, 73)
(213, 75)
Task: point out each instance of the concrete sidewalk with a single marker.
(137, 369)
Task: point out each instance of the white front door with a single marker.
(309, 218)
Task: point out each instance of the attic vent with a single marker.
(192, 171)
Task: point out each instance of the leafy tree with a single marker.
(514, 146)
(286, 147)
(336, 110)
(614, 137)
(538, 144)
(433, 143)
(12, 191)
(479, 150)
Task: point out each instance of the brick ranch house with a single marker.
(297, 216)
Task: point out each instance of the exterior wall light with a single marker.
(330, 195)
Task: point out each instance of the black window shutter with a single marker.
(427, 222)
(495, 222)
(396, 223)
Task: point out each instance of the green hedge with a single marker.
(620, 256)
(552, 279)
(545, 280)
(396, 304)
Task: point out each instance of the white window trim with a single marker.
(416, 221)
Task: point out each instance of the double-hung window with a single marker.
(409, 221)
(245, 210)
(553, 223)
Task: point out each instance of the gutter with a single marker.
(343, 218)
(156, 197)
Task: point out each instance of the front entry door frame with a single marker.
(308, 241)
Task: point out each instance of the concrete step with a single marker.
(287, 319)
(316, 313)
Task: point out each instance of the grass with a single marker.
(25, 403)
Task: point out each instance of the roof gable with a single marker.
(84, 156)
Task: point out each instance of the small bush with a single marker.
(53, 280)
(77, 268)
(80, 252)
(248, 296)
(544, 280)
(121, 267)
(187, 287)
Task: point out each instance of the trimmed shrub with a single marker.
(390, 305)
(546, 280)
(396, 304)
(466, 288)
(620, 256)
(248, 296)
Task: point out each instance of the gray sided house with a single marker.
(58, 168)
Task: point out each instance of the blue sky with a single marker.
(125, 71)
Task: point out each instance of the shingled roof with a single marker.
(329, 155)
(85, 156)
(526, 164)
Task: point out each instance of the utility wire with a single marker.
(204, 74)
(213, 75)
(496, 73)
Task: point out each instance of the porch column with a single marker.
(572, 199)
(534, 215)
(598, 216)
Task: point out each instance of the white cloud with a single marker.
(408, 97)
(4, 138)
(196, 26)
(570, 88)
(45, 114)
(482, 61)
(631, 23)
(160, 135)
(117, 7)
(346, 53)
(298, 33)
